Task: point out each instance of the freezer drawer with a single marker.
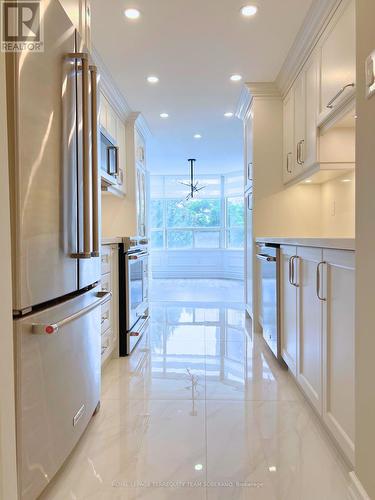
(58, 385)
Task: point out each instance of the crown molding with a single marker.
(110, 89)
(136, 119)
(356, 490)
(255, 90)
(316, 21)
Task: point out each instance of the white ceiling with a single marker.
(193, 47)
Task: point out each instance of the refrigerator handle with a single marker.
(46, 328)
(86, 254)
(95, 171)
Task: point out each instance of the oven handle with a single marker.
(138, 256)
(266, 258)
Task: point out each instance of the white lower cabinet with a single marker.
(317, 323)
(309, 326)
(109, 313)
(289, 307)
(339, 348)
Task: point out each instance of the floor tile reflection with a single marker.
(201, 410)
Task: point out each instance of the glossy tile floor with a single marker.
(201, 411)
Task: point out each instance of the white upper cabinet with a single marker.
(249, 152)
(299, 122)
(114, 129)
(310, 146)
(320, 98)
(338, 61)
(288, 154)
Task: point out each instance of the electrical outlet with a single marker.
(370, 75)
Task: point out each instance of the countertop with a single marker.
(112, 240)
(332, 243)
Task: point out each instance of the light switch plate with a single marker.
(370, 75)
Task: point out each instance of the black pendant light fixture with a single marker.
(193, 185)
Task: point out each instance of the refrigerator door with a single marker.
(57, 385)
(88, 178)
(42, 128)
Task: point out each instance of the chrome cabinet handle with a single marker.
(45, 328)
(294, 282)
(299, 153)
(287, 163)
(95, 172)
(331, 102)
(86, 254)
(249, 165)
(318, 281)
(290, 270)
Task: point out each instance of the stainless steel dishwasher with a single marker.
(268, 256)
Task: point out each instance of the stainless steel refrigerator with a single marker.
(55, 207)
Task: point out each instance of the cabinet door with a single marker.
(299, 123)
(121, 178)
(141, 202)
(288, 155)
(310, 310)
(249, 252)
(310, 150)
(112, 122)
(249, 153)
(289, 284)
(103, 111)
(339, 348)
(338, 59)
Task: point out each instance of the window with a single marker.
(235, 222)
(214, 219)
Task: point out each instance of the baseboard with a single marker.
(356, 490)
(196, 273)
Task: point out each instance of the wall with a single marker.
(226, 264)
(8, 479)
(118, 215)
(365, 263)
(338, 207)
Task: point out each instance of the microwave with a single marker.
(109, 161)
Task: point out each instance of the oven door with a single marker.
(137, 288)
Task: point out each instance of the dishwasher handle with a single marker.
(266, 258)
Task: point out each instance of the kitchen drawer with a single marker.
(108, 344)
(106, 283)
(106, 316)
(106, 259)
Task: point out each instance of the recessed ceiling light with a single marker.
(273, 468)
(249, 10)
(228, 115)
(164, 115)
(308, 181)
(236, 78)
(132, 13)
(152, 79)
(346, 180)
(198, 467)
(197, 136)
